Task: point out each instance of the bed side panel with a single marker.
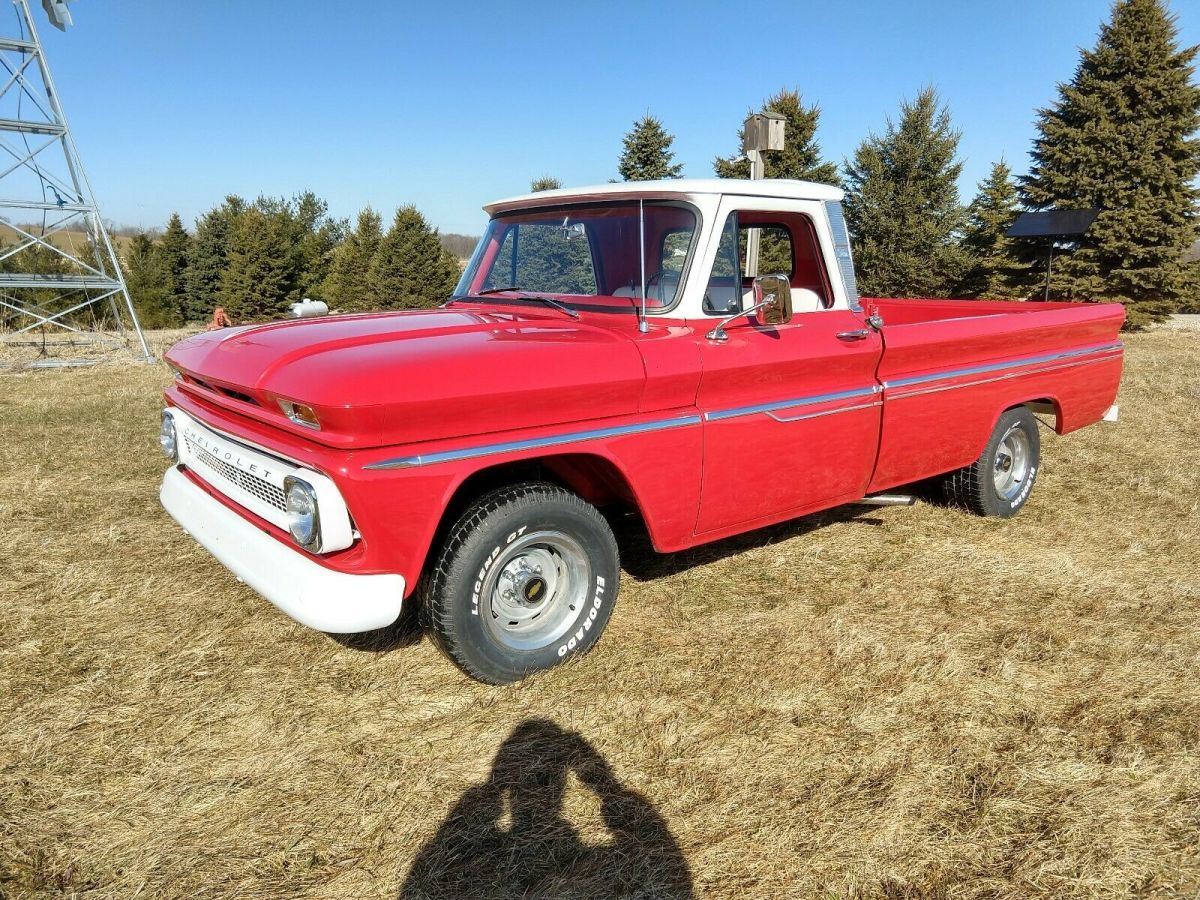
(946, 381)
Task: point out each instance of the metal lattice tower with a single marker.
(61, 287)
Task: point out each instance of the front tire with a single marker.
(998, 484)
(525, 580)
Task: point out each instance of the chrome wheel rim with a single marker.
(536, 589)
(1011, 467)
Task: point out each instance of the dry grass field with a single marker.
(68, 239)
(894, 703)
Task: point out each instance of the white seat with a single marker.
(805, 300)
(661, 289)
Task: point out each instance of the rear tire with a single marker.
(525, 580)
(998, 484)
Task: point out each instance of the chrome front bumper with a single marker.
(311, 594)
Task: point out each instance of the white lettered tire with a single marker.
(998, 484)
(525, 579)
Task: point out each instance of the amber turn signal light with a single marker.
(300, 413)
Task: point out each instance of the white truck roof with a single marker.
(783, 188)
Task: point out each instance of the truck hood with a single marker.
(424, 375)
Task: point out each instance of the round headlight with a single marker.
(304, 522)
(166, 437)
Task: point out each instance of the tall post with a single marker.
(1049, 268)
(758, 168)
(63, 286)
(762, 131)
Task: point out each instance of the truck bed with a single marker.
(950, 367)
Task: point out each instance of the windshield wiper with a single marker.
(549, 301)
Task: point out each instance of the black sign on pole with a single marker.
(1054, 225)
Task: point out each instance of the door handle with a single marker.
(860, 335)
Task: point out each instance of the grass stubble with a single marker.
(869, 703)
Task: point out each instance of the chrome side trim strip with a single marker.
(995, 367)
(1005, 377)
(824, 412)
(771, 409)
(841, 250)
(404, 462)
(812, 400)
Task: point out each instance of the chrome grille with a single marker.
(263, 490)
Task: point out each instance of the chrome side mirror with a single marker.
(773, 295)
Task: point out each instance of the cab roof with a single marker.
(783, 188)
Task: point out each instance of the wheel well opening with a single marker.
(594, 478)
(1045, 406)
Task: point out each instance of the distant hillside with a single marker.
(64, 240)
(461, 245)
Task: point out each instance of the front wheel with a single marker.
(526, 579)
(1000, 481)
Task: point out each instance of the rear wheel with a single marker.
(526, 579)
(1000, 481)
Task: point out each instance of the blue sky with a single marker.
(448, 105)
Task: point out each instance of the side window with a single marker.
(723, 294)
(788, 246)
(775, 253)
(552, 259)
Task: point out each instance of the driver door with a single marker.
(791, 412)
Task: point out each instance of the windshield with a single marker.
(585, 256)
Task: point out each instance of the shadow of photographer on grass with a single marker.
(508, 836)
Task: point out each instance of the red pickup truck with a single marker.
(608, 350)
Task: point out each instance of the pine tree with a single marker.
(545, 183)
(207, 257)
(1121, 138)
(316, 236)
(347, 287)
(902, 204)
(801, 154)
(148, 276)
(40, 259)
(648, 155)
(173, 248)
(410, 269)
(995, 269)
(260, 272)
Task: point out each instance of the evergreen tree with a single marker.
(995, 269)
(39, 259)
(545, 183)
(902, 204)
(410, 268)
(347, 287)
(648, 155)
(316, 236)
(260, 273)
(801, 154)
(148, 278)
(207, 257)
(173, 248)
(1121, 138)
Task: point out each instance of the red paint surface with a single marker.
(414, 383)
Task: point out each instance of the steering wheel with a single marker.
(668, 281)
